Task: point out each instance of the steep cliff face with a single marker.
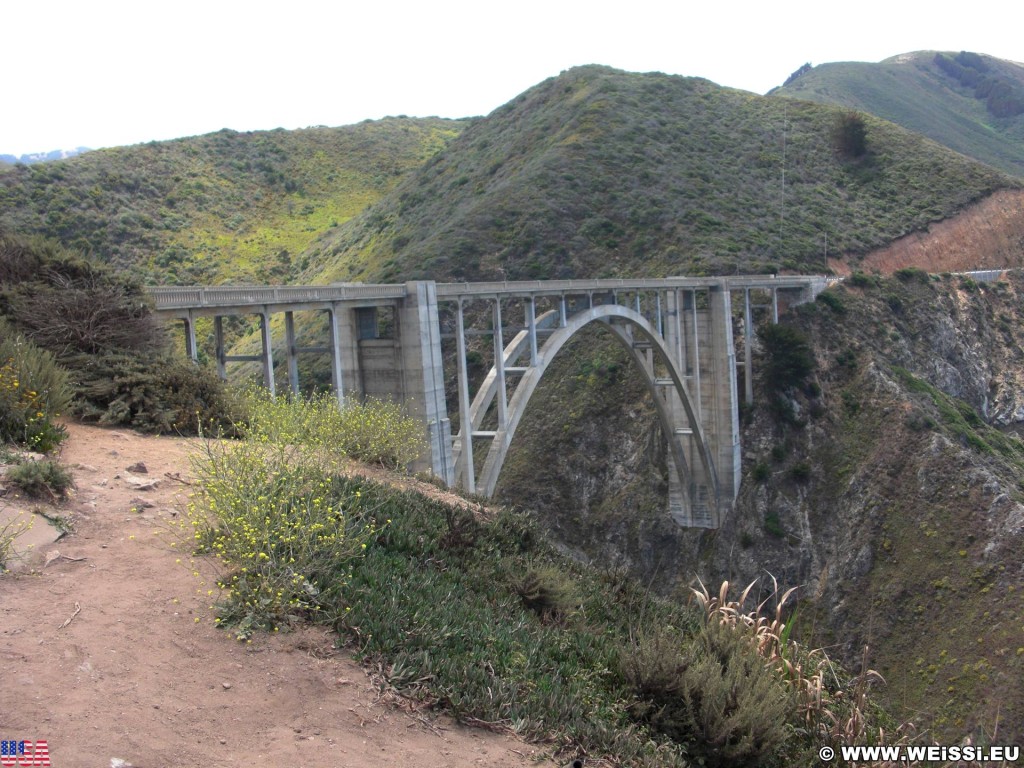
(892, 493)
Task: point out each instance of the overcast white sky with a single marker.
(101, 73)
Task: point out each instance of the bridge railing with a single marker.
(555, 287)
(185, 297)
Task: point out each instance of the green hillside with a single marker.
(599, 172)
(970, 103)
(225, 207)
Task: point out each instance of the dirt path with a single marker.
(141, 675)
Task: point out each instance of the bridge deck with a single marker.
(199, 300)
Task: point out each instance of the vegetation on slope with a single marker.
(225, 207)
(601, 173)
(473, 611)
(96, 323)
(929, 93)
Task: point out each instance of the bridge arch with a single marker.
(628, 327)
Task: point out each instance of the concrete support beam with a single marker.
(191, 348)
(334, 342)
(530, 308)
(748, 338)
(468, 470)
(267, 355)
(218, 343)
(291, 352)
(499, 366)
(721, 424)
(423, 376)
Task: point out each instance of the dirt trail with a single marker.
(142, 675)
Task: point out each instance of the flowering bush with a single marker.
(34, 390)
(271, 509)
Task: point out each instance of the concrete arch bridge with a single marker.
(388, 341)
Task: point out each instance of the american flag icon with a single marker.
(24, 753)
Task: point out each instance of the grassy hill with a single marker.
(934, 94)
(225, 207)
(599, 172)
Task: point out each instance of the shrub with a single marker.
(714, 693)
(154, 393)
(34, 390)
(800, 472)
(773, 524)
(860, 280)
(908, 274)
(548, 592)
(832, 300)
(789, 357)
(849, 135)
(269, 507)
(268, 512)
(41, 478)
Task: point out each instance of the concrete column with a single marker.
(219, 351)
(694, 352)
(191, 348)
(680, 492)
(722, 422)
(347, 345)
(291, 352)
(423, 376)
(334, 345)
(499, 366)
(748, 336)
(775, 306)
(465, 415)
(267, 353)
(563, 315)
(530, 307)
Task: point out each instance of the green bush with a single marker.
(849, 135)
(800, 472)
(34, 390)
(861, 280)
(714, 693)
(548, 592)
(832, 300)
(159, 393)
(789, 357)
(910, 274)
(41, 479)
